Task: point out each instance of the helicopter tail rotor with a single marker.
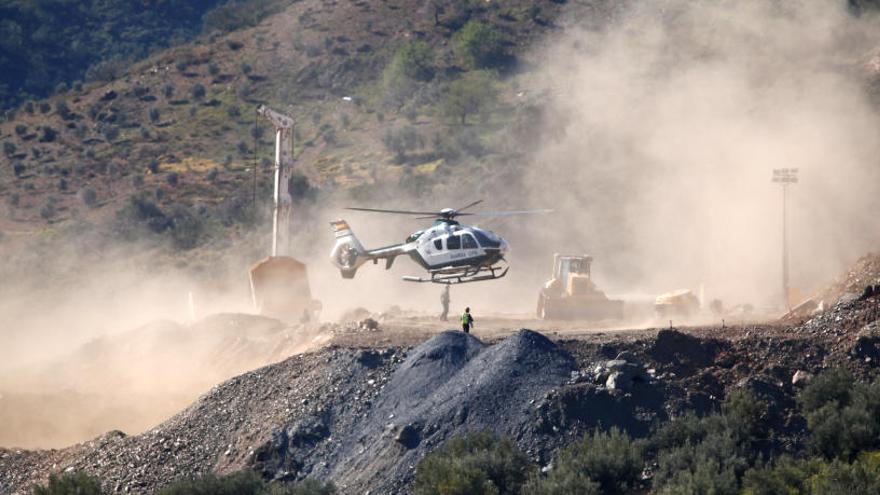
(348, 254)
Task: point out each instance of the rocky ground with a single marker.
(363, 417)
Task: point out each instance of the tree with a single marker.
(414, 60)
(475, 92)
(412, 64)
(479, 44)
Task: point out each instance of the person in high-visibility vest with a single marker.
(467, 321)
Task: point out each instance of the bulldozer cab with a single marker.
(565, 265)
(570, 293)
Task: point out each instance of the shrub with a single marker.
(239, 483)
(137, 180)
(233, 15)
(110, 132)
(9, 148)
(63, 110)
(70, 484)
(168, 90)
(88, 196)
(479, 44)
(611, 462)
(198, 91)
(843, 416)
(47, 211)
(234, 45)
(305, 487)
(62, 184)
(45, 107)
(473, 93)
(786, 476)
(212, 174)
(246, 69)
(473, 464)
(862, 476)
(153, 166)
(49, 134)
(18, 168)
(154, 115)
(234, 111)
(106, 70)
(244, 483)
(213, 69)
(329, 135)
(707, 455)
(301, 189)
(21, 129)
(172, 178)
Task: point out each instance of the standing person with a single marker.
(444, 300)
(467, 321)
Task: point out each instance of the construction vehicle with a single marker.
(571, 294)
(279, 283)
(681, 303)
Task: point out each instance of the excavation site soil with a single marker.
(361, 402)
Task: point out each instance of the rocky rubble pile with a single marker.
(864, 273)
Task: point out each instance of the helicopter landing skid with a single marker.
(462, 277)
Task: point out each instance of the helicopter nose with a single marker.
(504, 248)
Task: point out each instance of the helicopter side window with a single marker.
(468, 242)
(438, 243)
(453, 242)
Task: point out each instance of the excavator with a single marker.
(279, 283)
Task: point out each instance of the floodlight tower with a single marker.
(785, 177)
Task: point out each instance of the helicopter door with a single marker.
(436, 252)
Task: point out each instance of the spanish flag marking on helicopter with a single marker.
(341, 227)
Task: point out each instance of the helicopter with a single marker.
(451, 253)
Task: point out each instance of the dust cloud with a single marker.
(665, 126)
(658, 135)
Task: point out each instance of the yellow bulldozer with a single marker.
(571, 294)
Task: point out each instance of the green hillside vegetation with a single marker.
(51, 45)
(729, 452)
(386, 97)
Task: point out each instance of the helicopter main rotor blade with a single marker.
(507, 213)
(430, 217)
(475, 203)
(399, 212)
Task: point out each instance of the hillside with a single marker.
(178, 128)
(53, 45)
